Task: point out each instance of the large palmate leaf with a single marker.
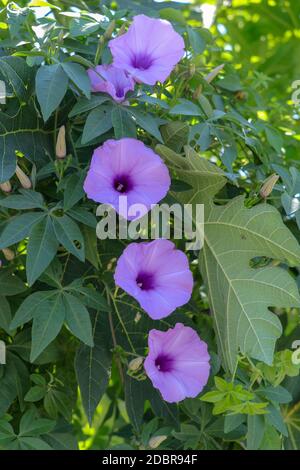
(21, 131)
(240, 296)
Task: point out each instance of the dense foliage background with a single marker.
(59, 391)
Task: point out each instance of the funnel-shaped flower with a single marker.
(177, 363)
(127, 168)
(149, 50)
(111, 80)
(157, 275)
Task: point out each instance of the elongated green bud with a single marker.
(209, 78)
(110, 29)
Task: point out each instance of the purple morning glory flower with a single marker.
(149, 50)
(127, 168)
(111, 80)
(157, 275)
(177, 363)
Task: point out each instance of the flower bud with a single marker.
(61, 148)
(6, 187)
(197, 92)
(135, 364)
(110, 30)
(155, 441)
(268, 186)
(8, 254)
(209, 78)
(122, 30)
(192, 70)
(24, 180)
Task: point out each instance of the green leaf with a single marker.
(186, 108)
(79, 76)
(122, 123)
(35, 393)
(256, 428)
(10, 284)
(275, 418)
(5, 315)
(8, 388)
(92, 366)
(78, 319)
(277, 394)
(91, 246)
(41, 249)
(29, 306)
(21, 130)
(240, 296)
(271, 439)
(31, 425)
(274, 138)
(230, 82)
(19, 227)
(84, 105)
(33, 443)
(17, 74)
(69, 235)
(98, 122)
(47, 323)
(147, 122)
(73, 190)
(175, 135)
(84, 217)
(51, 85)
(196, 40)
(27, 200)
(232, 422)
(91, 298)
